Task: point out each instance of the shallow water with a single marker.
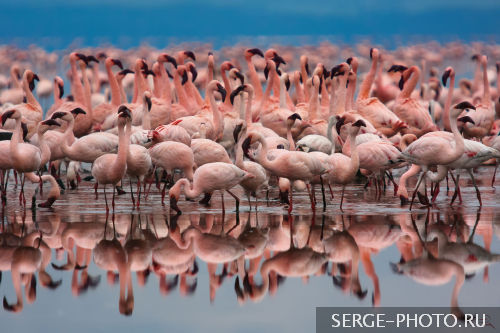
(383, 230)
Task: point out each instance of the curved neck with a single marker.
(239, 151)
(410, 85)
(289, 137)
(30, 98)
(120, 163)
(447, 104)
(341, 95)
(486, 85)
(298, 90)
(76, 84)
(459, 140)
(191, 190)
(364, 90)
(181, 93)
(254, 79)
(14, 78)
(166, 88)
(57, 92)
(248, 109)
(350, 93)
(227, 86)
(115, 88)
(86, 90)
(69, 136)
(216, 115)
(123, 95)
(282, 94)
(314, 104)
(44, 148)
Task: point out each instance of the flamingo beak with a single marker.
(118, 63)
(6, 115)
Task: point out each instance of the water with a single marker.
(196, 301)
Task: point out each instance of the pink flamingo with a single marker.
(207, 179)
(437, 150)
(110, 168)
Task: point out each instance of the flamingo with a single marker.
(15, 94)
(101, 111)
(436, 150)
(110, 168)
(208, 178)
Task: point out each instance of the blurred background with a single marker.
(56, 24)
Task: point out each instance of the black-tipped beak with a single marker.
(397, 68)
(236, 132)
(172, 60)
(173, 205)
(266, 72)
(445, 77)
(76, 112)
(371, 53)
(339, 124)
(51, 122)
(349, 60)
(359, 123)
(57, 115)
(25, 130)
(124, 112)
(278, 60)
(287, 83)
(35, 77)
(190, 54)
(295, 116)
(118, 63)
(222, 91)
(336, 71)
(193, 71)
(61, 90)
(256, 52)
(148, 102)
(235, 92)
(464, 106)
(91, 58)
(475, 57)
(401, 83)
(307, 69)
(240, 77)
(184, 77)
(466, 119)
(246, 145)
(6, 115)
(126, 71)
(81, 57)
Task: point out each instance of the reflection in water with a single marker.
(253, 251)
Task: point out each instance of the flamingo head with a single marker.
(114, 62)
(192, 68)
(236, 92)
(190, 55)
(167, 58)
(249, 53)
(147, 99)
(237, 131)
(220, 89)
(304, 62)
(235, 74)
(174, 194)
(60, 83)
(291, 120)
(374, 53)
(10, 114)
(46, 125)
(31, 78)
(181, 70)
(447, 73)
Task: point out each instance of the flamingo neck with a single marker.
(120, 164)
(254, 79)
(227, 86)
(57, 92)
(166, 88)
(123, 95)
(30, 98)
(181, 93)
(76, 84)
(115, 88)
(341, 95)
(366, 85)
(350, 93)
(14, 141)
(314, 104)
(87, 91)
(216, 115)
(14, 78)
(299, 91)
(411, 84)
(447, 104)
(486, 100)
(282, 94)
(44, 149)
(289, 137)
(333, 99)
(459, 140)
(248, 109)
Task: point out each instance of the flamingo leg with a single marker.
(494, 175)
(95, 190)
(138, 193)
(331, 191)
(435, 192)
(457, 189)
(146, 194)
(416, 188)
(313, 204)
(475, 186)
(113, 200)
(342, 198)
(223, 207)
(237, 200)
(163, 193)
(290, 206)
(105, 199)
(132, 194)
(323, 194)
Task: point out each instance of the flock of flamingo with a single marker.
(272, 124)
(244, 131)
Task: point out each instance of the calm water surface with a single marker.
(182, 293)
